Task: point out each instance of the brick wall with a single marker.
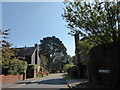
(10, 78)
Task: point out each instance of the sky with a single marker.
(30, 22)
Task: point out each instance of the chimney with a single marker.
(25, 47)
(36, 45)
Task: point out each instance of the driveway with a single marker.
(52, 81)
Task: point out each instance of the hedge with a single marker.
(17, 67)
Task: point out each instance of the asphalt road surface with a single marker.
(53, 81)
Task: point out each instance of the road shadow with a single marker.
(59, 81)
(65, 89)
(20, 82)
(53, 82)
(25, 82)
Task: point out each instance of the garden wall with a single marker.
(11, 78)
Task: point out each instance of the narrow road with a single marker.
(51, 81)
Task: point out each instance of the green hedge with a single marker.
(17, 67)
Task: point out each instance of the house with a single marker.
(29, 54)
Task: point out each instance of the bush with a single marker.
(67, 76)
(67, 66)
(74, 71)
(17, 67)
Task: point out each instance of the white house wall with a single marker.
(33, 58)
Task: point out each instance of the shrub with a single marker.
(17, 67)
(74, 71)
(67, 66)
(67, 76)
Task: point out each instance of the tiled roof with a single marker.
(25, 51)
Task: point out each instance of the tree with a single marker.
(6, 51)
(68, 66)
(60, 62)
(17, 66)
(85, 46)
(52, 48)
(8, 64)
(44, 60)
(99, 20)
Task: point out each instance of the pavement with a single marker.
(50, 81)
(73, 82)
(21, 83)
(45, 82)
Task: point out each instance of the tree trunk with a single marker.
(77, 52)
(118, 19)
(89, 74)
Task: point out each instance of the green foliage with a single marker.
(5, 48)
(9, 65)
(52, 46)
(17, 67)
(53, 49)
(99, 20)
(73, 71)
(68, 59)
(85, 47)
(44, 60)
(60, 62)
(6, 51)
(68, 66)
(67, 76)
